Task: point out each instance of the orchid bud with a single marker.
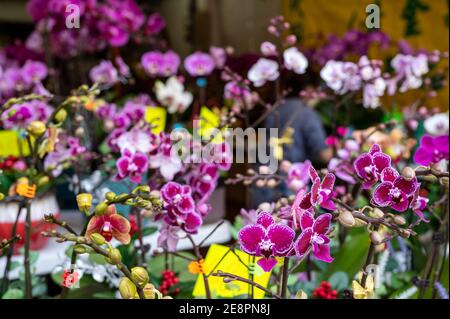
(399, 220)
(2, 196)
(301, 295)
(79, 132)
(359, 223)
(408, 173)
(79, 249)
(376, 213)
(127, 288)
(101, 208)
(247, 182)
(140, 275)
(376, 237)
(114, 256)
(61, 115)
(291, 39)
(43, 181)
(260, 183)
(98, 239)
(346, 218)
(36, 128)
(271, 183)
(110, 196)
(405, 233)
(251, 171)
(149, 292)
(84, 202)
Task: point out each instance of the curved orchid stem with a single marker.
(232, 277)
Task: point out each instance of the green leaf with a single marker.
(104, 295)
(339, 280)
(351, 256)
(13, 293)
(14, 265)
(97, 258)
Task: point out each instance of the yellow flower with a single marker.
(360, 292)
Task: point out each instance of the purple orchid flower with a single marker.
(418, 204)
(432, 150)
(168, 237)
(322, 191)
(104, 73)
(369, 166)
(199, 64)
(298, 177)
(249, 217)
(132, 165)
(268, 239)
(314, 233)
(204, 180)
(394, 191)
(180, 207)
(155, 24)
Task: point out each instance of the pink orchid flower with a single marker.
(199, 64)
(322, 191)
(298, 175)
(110, 225)
(369, 166)
(394, 191)
(314, 233)
(432, 150)
(180, 207)
(418, 204)
(268, 239)
(131, 165)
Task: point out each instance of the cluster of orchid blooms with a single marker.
(102, 23)
(296, 229)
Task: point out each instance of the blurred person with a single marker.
(308, 140)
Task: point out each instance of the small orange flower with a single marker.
(110, 225)
(197, 267)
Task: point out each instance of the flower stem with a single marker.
(284, 277)
(369, 260)
(28, 288)
(5, 280)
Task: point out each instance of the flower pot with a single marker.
(40, 206)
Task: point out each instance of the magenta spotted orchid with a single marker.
(394, 191)
(418, 204)
(314, 234)
(432, 150)
(268, 239)
(369, 166)
(298, 177)
(132, 165)
(321, 191)
(180, 207)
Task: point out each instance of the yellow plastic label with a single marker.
(11, 144)
(25, 190)
(209, 123)
(236, 265)
(156, 116)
